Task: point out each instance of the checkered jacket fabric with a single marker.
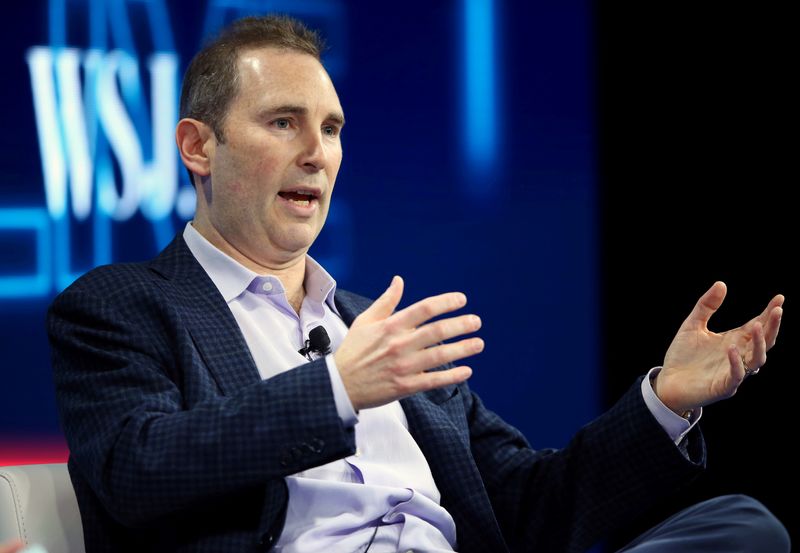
(177, 444)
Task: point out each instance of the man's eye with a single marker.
(330, 130)
(282, 123)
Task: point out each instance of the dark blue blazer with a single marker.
(178, 445)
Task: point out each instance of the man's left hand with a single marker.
(702, 367)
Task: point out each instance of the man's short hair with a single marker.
(212, 78)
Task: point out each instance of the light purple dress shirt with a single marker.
(385, 493)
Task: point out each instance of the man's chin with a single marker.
(295, 244)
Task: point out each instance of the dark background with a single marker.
(697, 161)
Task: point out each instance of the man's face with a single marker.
(272, 179)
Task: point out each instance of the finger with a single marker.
(772, 327)
(439, 331)
(737, 365)
(437, 379)
(437, 356)
(777, 301)
(758, 355)
(424, 310)
(385, 305)
(764, 316)
(706, 306)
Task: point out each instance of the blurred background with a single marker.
(583, 172)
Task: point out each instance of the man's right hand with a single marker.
(385, 354)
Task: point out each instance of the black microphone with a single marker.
(318, 342)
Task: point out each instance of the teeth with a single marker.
(304, 192)
(303, 203)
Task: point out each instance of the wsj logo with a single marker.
(73, 115)
(104, 117)
(105, 114)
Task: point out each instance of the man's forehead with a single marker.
(275, 77)
(264, 59)
(283, 66)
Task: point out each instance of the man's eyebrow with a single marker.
(333, 116)
(287, 108)
(337, 118)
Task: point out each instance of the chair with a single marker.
(38, 506)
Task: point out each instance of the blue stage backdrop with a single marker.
(469, 165)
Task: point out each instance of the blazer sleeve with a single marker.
(613, 470)
(148, 427)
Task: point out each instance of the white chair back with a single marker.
(38, 506)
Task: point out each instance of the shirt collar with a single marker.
(232, 278)
(320, 285)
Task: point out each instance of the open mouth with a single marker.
(302, 198)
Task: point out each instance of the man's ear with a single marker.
(191, 136)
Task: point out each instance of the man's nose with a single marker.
(313, 156)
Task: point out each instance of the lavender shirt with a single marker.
(385, 492)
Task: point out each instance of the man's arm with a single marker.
(623, 463)
(149, 427)
(612, 471)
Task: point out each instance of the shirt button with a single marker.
(267, 286)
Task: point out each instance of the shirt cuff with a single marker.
(343, 405)
(676, 426)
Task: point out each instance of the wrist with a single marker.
(661, 392)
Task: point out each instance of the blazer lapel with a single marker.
(212, 327)
(437, 421)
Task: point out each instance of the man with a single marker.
(195, 425)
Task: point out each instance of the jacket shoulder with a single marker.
(132, 281)
(114, 281)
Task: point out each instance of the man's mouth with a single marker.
(302, 198)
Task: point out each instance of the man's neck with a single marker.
(291, 273)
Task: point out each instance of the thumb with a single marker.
(385, 305)
(707, 305)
